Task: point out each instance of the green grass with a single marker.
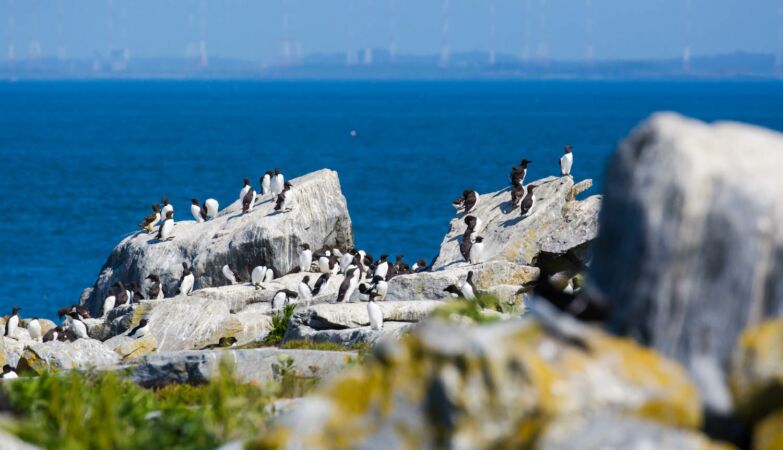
(75, 411)
(279, 326)
(480, 310)
(327, 346)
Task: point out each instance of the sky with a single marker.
(255, 29)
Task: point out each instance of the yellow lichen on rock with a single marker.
(768, 434)
(756, 377)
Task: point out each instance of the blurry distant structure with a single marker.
(443, 59)
(492, 56)
(686, 51)
(367, 59)
(11, 51)
(542, 50)
(393, 31)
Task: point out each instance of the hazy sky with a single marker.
(254, 29)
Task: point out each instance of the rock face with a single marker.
(616, 432)
(10, 442)
(689, 251)
(319, 217)
(430, 285)
(258, 365)
(756, 376)
(494, 386)
(128, 347)
(558, 224)
(55, 355)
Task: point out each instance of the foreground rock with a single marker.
(259, 365)
(10, 442)
(689, 251)
(756, 376)
(55, 355)
(495, 386)
(616, 432)
(319, 217)
(558, 225)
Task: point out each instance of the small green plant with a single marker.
(486, 308)
(305, 344)
(279, 325)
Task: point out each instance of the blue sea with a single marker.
(81, 162)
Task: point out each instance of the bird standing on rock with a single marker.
(282, 298)
(155, 292)
(211, 208)
(518, 173)
(305, 293)
(167, 227)
(166, 207)
(566, 161)
(77, 326)
(109, 302)
(528, 202)
(186, 281)
(140, 330)
(9, 373)
(34, 328)
(266, 183)
(121, 294)
(257, 276)
(282, 204)
(376, 315)
(249, 200)
(151, 220)
(278, 182)
(321, 284)
(244, 190)
(231, 274)
(477, 250)
(199, 214)
(305, 258)
(12, 322)
(348, 285)
(382, 266)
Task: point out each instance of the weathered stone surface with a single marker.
(256, 324)
(689, 251)
(80, 354)
(430, 285)
(558, 224)
(258, 365)
(768, 434)
(128, 347)
(10, 442)
(494, 386)
(617, 432)
(319, 216)
(756, 376)
(14, 349)
(346, 336)
(354, 315)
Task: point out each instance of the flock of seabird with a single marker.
(361, 271)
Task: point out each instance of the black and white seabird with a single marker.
(305, 258)
(199, 213)
(155, 291)
(518, 173)
(468, 288)
(249, 200)
(269, 275)
(151, 220)
(453, 291)
(282, 204)
(211, 207)
(120, 296)
(167, 227)
(78, 327)
(53, 334)
(379, 288)
(140, 330)
(305, 292)
(282, 298)
(419, 266)
(8, 373)
(346, 260)
(266, 183)
(382, 266)
(231, 274)
(468, 237)
(34, 328)
(321, 284)
(349, 284)
(109, 302)
(375, 314)
(518, 192)
(471, 200)
(186, 281)
(257, 276)
(244, 190)
(566, 161)
(278, 182)
(529, 201)
(166, 207)
(477, 250)
(12, 322)
(136, 295)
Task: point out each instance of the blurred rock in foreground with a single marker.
(690, 248)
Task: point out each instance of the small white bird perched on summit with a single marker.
(199, 213)
(186, 281)
(257, 276)
(34, 328)
(278, 182)
(244, 190)
(167, 228)
(305, 258)
(166, 207)
(266, 183)
(12, 322)
(477, 250)
(566, 161)
(211, 206)
(231, 274)
(376, 315)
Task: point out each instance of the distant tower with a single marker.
(443, 60)
(393, 31)
(203, 59)
(526, 31)
(34, 50)
(492, 26)
(686, 50)
(11, 52)
(367, 59)
(779, 53)
(542, 49)
(589, 50)
(351, 58)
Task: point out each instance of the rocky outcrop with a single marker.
(558, 224)
(10, 442)
(689, 251)
(494, 386)
(617, 432)
(128, 347)
(56, 355)
(756, 376)
(430, 285)
(768, 434)
(319, 217)
(259, 365)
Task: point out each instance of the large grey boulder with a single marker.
(347, 337)
(56, 355)
(690, 250)
(324, 316)
(607, 431)
(319, 217)
(558, 224)
(258, 365)
(10, 442)
(430, 285)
